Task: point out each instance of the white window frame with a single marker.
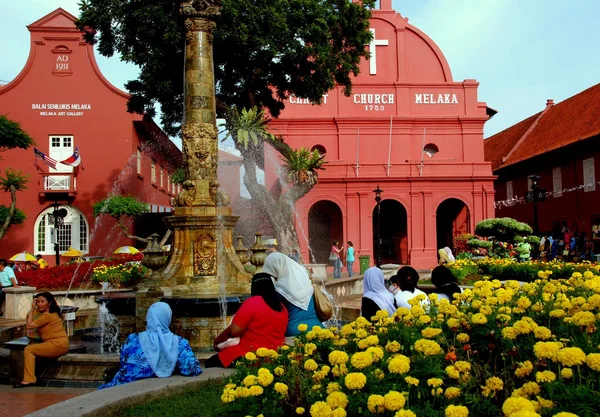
(509, 191)
(162, 177)
(589, 175)
(138, 162)
(557, 182)
(61, 152)
(74, 218)
(153, 172)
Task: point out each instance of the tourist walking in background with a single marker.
(41, 262)
(445, 283)
(295, 288)
(51, 330)
(7, 280)
(157, 352)
(335, 258)
(260, 322)
(295, 255)
(376, 296)
(404, 287)
(350, 258)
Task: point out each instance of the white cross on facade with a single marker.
(373, 52)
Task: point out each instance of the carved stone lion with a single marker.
(186, 197)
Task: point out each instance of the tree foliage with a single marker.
(264, 50)
(502, 229)
(120, 208)
(18, 218)
(13, 136)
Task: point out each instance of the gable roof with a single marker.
(574, 119)
(58, 20)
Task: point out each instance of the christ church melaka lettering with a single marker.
(428, 98)
(54, 109)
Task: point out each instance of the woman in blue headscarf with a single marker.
(156, 352)
(376, 296)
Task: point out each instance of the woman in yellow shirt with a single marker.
(52, 332)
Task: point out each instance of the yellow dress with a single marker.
(55, 343)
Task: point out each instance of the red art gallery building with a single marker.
(407, 127)
(64, 102)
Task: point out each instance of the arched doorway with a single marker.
(72, 232)
(452, 219)
(393, 232)
(325, 226)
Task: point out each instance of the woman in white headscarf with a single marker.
(376, 296)
(156, 352)
(294, 286)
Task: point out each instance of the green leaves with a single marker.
(119, 206)
(12, 136)
(302, 165)
(13, 179)
(503, 228)
(18, 218)
(247, 127)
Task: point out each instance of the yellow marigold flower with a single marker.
(524, 369)
(399, 365)
(425, 319)
(376, 403)
(256, 390)
(525, 413)
(523, 303)
(463, 337)
(485, 310)
(355, 380)
(514, 404)
(494, 384)
(565, 414)
(407, 413)
(430, 332)
(228, 396)
(250, 380)
(572, 356)
(337, 399)
(452, 372)
(262, 352)
(376, 352)
(281, 388)
(593, 361)
(542, 333)
(250, 356)
(545, 376)
(338, 357)
(509, 333)
(547, 350)
(452, 392)
(309, 348)
(545, 403)
(361, 333)
(478, 318)
(338, 412)
(310, 365)
(463, 366)
(453, 323)
(320, 409)
(428, 347)
(411, 381)
(393, 347)
(341, 342)
(566, 373)
(265, 378)
(300, 410)
(531, 388)
(582, 318)
(333, 387)
(457, 411)
(434, 382)
(394, 400)
(361, 360)
(278, 371)
(557, 313)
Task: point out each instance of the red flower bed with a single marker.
(60, 277)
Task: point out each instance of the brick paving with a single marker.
(20, 402)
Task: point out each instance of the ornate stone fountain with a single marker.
(204, 273)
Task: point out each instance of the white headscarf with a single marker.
(293, 282)
(160, 346)
(449, 253)
(375, 290)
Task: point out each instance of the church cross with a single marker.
(373, 52)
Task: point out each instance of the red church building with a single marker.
(560, 145)
(62, 100)
(408, 128)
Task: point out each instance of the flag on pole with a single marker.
(47, 160)
(74, 160)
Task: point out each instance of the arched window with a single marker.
(73, 232)
(319, 148)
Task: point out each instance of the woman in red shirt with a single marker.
(261, 321)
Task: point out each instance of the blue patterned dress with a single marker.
(135, 366)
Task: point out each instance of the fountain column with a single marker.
(203, 261)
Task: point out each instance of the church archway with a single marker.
(325, 226)
(393, 234)
(452, 219)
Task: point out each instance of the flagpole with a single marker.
(390, 148)
(357, 149)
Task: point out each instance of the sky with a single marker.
(522, 52)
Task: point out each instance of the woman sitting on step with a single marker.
(295, 290)
(260, 322)
(404, 287)
(376, 296)
(51, 330)
(156, 352)
(445, 283)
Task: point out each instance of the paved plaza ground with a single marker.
(20, 402)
